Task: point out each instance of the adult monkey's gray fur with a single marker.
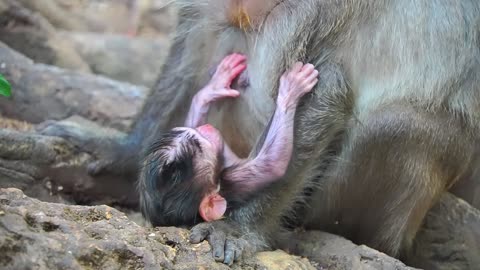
(389, 128)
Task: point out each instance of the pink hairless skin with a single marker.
(249, 175)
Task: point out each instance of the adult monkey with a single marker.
(388, 129)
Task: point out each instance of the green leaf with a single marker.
(5, 87)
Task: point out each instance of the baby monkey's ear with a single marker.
(212, 207)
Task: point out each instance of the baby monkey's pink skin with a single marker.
(246, 175)
(217, 89)
(272, 160)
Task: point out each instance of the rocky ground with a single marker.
(85, 63)
(39, 235)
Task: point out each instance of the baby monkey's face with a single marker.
(207, 159)
(207, 165)
(210, 138)
(180, 177)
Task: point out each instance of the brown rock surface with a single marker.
(55, 236)
(450, 237)
(39, 235)
(333, 252)
(53, 170)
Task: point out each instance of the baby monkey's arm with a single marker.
(217, 89)
(273, 158)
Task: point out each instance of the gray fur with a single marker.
(390, 126)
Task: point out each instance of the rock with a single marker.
(8, 123)
(59, 15)
(31, 34)
(332, 252)
(468, 187)
(134, 60)
(147, 18)
(449, 238)
(53, 170)
(57, 236)
(41, 235)
(50, 50)
(281, 260)
(41, 92)
(161, 18)
(33, 28)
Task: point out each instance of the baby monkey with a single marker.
(191, 174)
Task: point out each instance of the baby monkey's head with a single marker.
(179, 180)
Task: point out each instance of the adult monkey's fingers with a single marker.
(230, 252)
(200, 233)
(217, 240)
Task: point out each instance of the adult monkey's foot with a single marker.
(108, 147)
(229, 242)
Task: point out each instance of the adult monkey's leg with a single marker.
(396, 162)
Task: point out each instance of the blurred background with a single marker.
(104, 37)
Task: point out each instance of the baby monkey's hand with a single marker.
(219, 86)
(295, 83)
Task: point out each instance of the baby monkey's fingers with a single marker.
(232, 60)
(236, 60)
(297, 67)
(235, 72)
(311, 80)
(311, 85)
(229, 69)
(224, 78)
(307, 69)
(312, 76)
(228, 93)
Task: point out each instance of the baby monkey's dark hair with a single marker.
(169, 196)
